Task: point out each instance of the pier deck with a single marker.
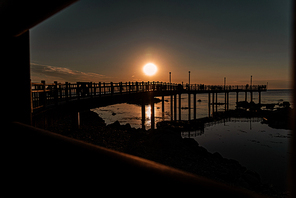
(85, 95)
(44, 94)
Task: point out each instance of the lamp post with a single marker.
(170, 79)
(189, 97)
(189, 78)
(224, 82)
(251, 88)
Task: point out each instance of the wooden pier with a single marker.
(89, 95)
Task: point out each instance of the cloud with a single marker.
(61, 74)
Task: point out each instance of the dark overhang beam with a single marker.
(18, 16)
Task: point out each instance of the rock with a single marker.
(91, 118)
(217, 155)
(127, 126)
(253, 179)
(116, 124)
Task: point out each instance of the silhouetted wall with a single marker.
(15, 61)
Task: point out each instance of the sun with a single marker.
(150, 69)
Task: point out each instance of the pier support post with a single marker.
(104, 84)
(95, 89)
(213, 103)
(162, 106)
(259, 97)
(194, 106)
(246, 96)
(43, 94)
(66, 91)
(152, 113)
(112, 88)
(209, 104)
(236, 99)
(189, 106)
(216, 101)
(143, 111)
(228, 101)
(120, 88)
(225, 101)
(172, 108)
(56, 93)
(175, 106)
(179, 106)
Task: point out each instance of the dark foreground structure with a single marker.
(40, 162)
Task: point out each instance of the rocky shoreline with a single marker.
(164, 145)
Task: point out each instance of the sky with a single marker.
(111, 41)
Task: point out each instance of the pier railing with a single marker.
(44, 94)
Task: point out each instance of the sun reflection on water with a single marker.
(148, 112)
(148, 116)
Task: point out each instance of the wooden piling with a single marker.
(162, 104)
(152, 113)
(104, 84)
(209, 104)
(66, 91)
(70, 91)
(112, 88)
(129, 87)
(213, 103)
(216, 102)
(172, 107)
(43, 94)
(189, 106)
(175, 106)
(56, 100)
(179, 106)
(90, 87)
(95, 89)
(143, 112)
(227, 101)
(194, 106)
(237, 98)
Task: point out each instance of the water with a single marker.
(130, 113)
(255, 145)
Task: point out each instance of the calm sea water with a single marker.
(255, 145)
(130, 113)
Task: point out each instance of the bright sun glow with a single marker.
(150, 69)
